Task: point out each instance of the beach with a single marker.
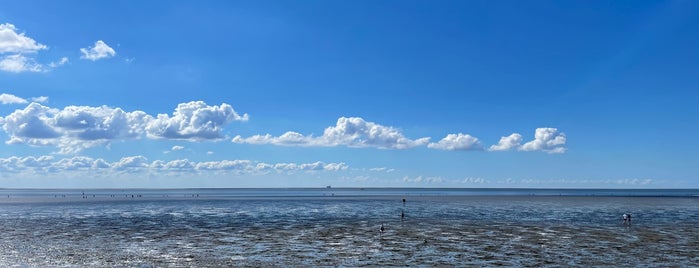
(160, 230)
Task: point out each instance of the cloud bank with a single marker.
(357, 132)
(75, 128)
(348, 131)
(49, 166)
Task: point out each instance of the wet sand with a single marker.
(529, 232)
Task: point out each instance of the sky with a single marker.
(504, 94)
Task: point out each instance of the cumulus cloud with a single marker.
(11, 99)
(131, 162)
(100, 123)
(356, 132)
(457, 142)
(194, 121)
(17, 52)
(548, 140)
(18, 63)
(511, 142)
(34, 122)
(75, 128)
(348, 131)
(40, 99)
(11, 41)
(140, 165)
(99, 51)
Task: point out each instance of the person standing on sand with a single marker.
(629, 219)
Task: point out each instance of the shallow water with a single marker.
(159, 229)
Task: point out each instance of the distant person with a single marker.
(404, 201)
(402, 215)
(626, 219)
(381, 230)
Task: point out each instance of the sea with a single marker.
(342, 227)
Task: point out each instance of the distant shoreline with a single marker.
(352, 188)
(322, 192)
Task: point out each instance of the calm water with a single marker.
(340, 227)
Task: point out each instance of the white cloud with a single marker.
(130, 163)
(16, 164)
(348, 131)
(474, 181)
(421, 179)
(76, 165)
(356, 132)
(75, 128)
(100, 51)
(101, 123)
(382, 169)
(18, 63)
(194, 121)
(548, 140)
(18, 51)
(11, 99)
(34, 122)
(40, 99)
(73, 163)
(177, 148)
(13, 42)
(583, 183)
(61, 62)
(511, 142)
(633, 181)
(460, 142)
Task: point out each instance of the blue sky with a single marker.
(349, 93)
